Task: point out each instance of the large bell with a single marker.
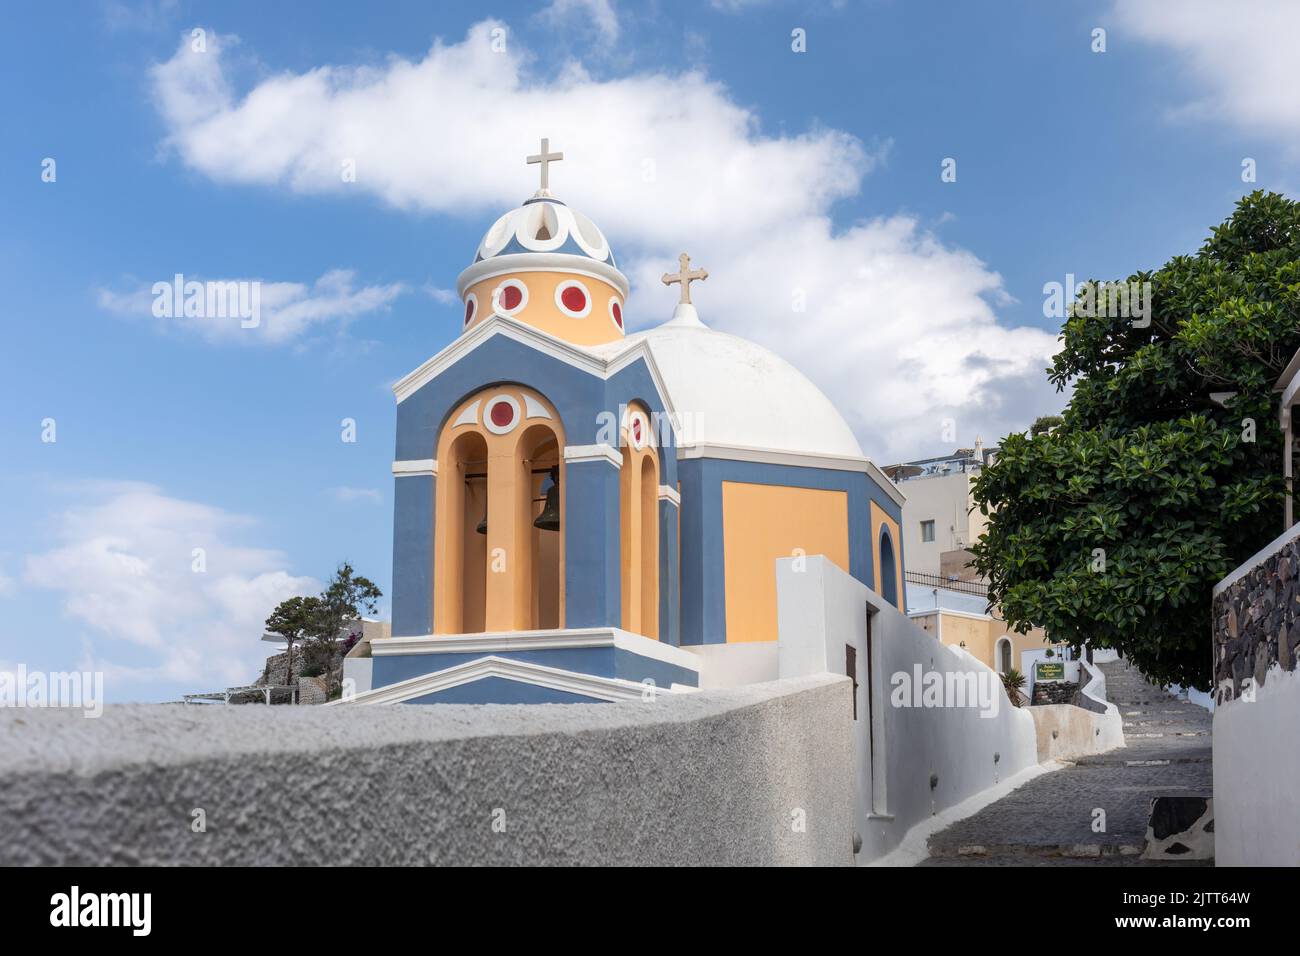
(549, 519)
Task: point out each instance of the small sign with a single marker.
(1049, 670)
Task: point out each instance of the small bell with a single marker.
(481, 527)
(549, 519)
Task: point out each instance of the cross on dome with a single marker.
(685, 276)
(544, 159)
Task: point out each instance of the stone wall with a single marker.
(761, 775)
(1255, 623)
(1257, 703)
(1055, 692)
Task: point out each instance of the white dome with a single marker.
(544, 224)
(730, 391)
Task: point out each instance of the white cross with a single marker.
(686, 275)
(545, 158)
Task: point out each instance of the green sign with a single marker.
(1049, 670)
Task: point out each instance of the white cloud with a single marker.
(273, 313)
(1241, 54)
(346, 495)
(7, 585)
(599, 14)
(125, 564)
(899, 330)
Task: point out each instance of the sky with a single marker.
(166, 481)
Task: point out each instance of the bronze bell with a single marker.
(549, 519)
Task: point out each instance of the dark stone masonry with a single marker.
(1055, 692)
(1255, 622)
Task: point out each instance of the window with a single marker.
(927, 530)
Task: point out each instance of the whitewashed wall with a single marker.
(1257, 775)
(820, 609)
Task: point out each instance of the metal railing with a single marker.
(948, 584)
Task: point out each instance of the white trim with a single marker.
(533, 408)
(1256, 559)
(469, 416)
(577, 453)
(414, 467)
(1288, 394)
(565, 638)
(609, 307)
(533, 338)
(537, 675)
(667, 493)
(771, 456)
(542, 262)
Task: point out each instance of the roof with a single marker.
(734, 392)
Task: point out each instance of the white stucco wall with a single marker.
(1257, 775)
(754, 776)
(820, 610)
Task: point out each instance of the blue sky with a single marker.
(816, 171)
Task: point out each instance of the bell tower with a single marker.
(547, 265)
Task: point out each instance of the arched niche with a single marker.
(494, 570)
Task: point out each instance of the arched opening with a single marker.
(541, 462)
(499, 550)
(649, 546)
(466, 505)
(888, 569)
(639, 525)
(1004, 656)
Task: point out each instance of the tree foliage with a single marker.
(295, 619)
(319, 621)
(1112, 526)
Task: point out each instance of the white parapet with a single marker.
(934, 727)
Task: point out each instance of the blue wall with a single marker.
(499, 690)
(597, 661)
(592, 596)
(412, 594)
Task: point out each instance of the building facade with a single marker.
(581, 512)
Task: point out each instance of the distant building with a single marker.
(939, 515)
(944, 594)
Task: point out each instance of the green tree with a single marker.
(346, 597)
(295, 619)
(1111, 527)
(1044, 423)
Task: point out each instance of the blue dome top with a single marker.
(544, 224)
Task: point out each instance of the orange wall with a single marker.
(761, 523)
(542, 312)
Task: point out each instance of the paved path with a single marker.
(1048, 821)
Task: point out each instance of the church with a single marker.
(586, 514)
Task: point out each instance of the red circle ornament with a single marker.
(574, 299)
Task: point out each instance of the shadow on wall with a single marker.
(933, 725)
